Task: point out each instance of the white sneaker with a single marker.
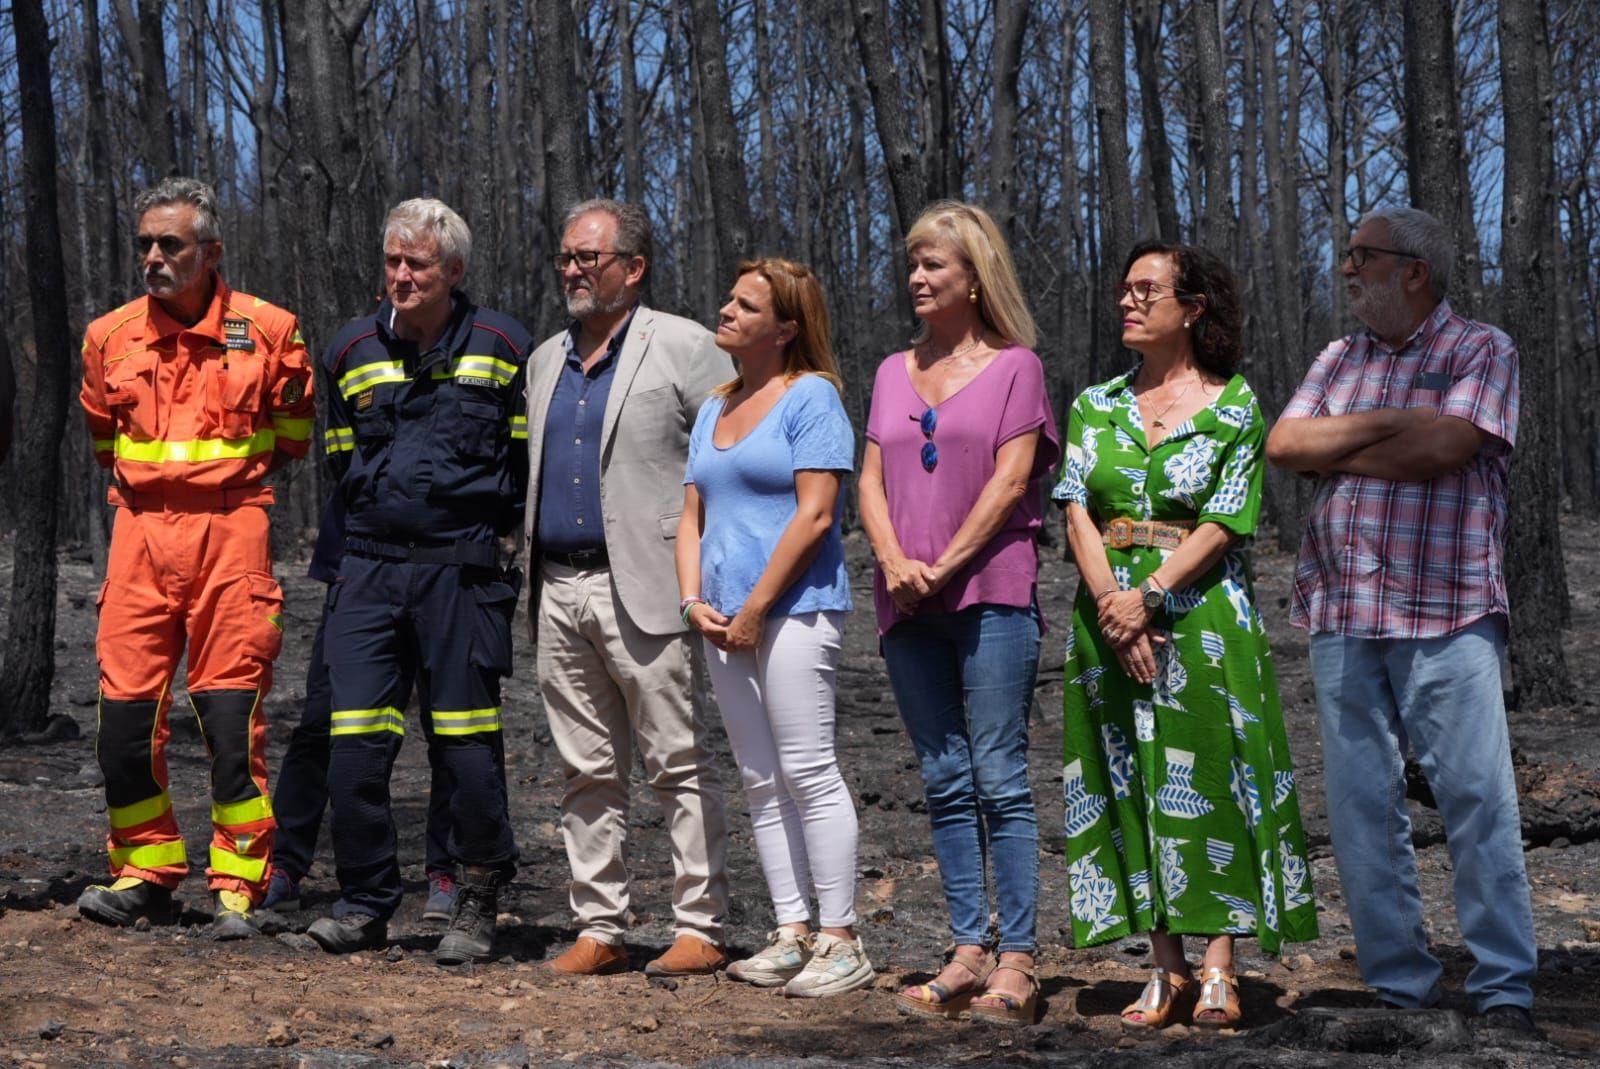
(779, 963)
(836, 966)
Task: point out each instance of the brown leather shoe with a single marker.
(590, 957)
(688, 956)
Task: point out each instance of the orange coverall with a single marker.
(190, 420)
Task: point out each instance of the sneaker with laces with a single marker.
(441, 897)
(836, 966)
(782, 960)
(232, 916)
(122, 903)
(283, 893)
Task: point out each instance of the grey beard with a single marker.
(1379, 306)
(585, 305)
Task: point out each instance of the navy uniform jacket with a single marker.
(430, 448)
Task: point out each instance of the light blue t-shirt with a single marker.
(749, 498)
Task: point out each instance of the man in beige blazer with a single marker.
(611, 401)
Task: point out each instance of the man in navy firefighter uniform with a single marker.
(427, 421)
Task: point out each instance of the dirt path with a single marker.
(75, 994)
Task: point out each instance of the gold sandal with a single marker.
(1219, 994)
(1162, 1002)
(998, 1007)
(934, 999)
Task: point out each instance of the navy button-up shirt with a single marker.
(570, 517)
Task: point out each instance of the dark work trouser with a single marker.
(301, 794)
(454, 623)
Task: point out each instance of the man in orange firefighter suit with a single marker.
(193, 394)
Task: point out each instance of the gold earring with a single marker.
(972, 295)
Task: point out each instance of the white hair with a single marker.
(409, 220)
(1416, 233)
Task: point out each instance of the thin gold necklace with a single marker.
(958, 350)
(1156, 420)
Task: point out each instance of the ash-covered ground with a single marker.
(74, 994)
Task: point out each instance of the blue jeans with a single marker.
(1442, 696)
(964, 684)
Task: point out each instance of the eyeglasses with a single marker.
(1144, 291)
(929, 422)
(169, 244)
(1358, 255)
(585, 258)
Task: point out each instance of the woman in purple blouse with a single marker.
(958, 438)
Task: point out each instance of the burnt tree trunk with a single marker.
(568, 175)
(1147, 63)
(1434, 142)
(1108, 74)
(941, 168)
(632, 137)
(1011, 20)
(30, 646)
(1535, 571)
(724, 149)
(143, 34)
(480, 191)
(1289, 496)
(900, 155)
(1216, 223)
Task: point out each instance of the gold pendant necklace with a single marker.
(1156, 420)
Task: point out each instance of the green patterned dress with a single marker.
(1181, 810)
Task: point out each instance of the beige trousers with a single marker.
(608, 686)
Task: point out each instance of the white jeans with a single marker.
(777, 704)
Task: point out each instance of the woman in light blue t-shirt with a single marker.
(762, 576)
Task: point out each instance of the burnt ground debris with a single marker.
(74, 994)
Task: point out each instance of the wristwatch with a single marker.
(1154, 597)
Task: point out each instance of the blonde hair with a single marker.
(797, 299)
(976, 238)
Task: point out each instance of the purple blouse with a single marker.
(1005, 399)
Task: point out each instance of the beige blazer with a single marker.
(667, 367)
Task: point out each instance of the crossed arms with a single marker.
(1398, 444)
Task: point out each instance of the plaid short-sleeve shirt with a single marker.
(1383, 559)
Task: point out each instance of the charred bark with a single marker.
(1434, 141)
(30, 645)
(724, 150)
(1108, 73)
(1535, 570)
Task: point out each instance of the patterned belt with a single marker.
(1123, 533)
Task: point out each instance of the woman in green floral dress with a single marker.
(1181, 811)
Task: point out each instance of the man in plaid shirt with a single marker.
(1408, 428)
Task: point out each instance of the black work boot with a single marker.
(350, 933)
(470, 936)
(122, 903)
(233, 916)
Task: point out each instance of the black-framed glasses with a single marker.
(1143, 290)
(1358, 255)
(584, 258)
(169, 244)
(929, 422)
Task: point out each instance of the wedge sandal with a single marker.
(998, 1007)
(935, 1000)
